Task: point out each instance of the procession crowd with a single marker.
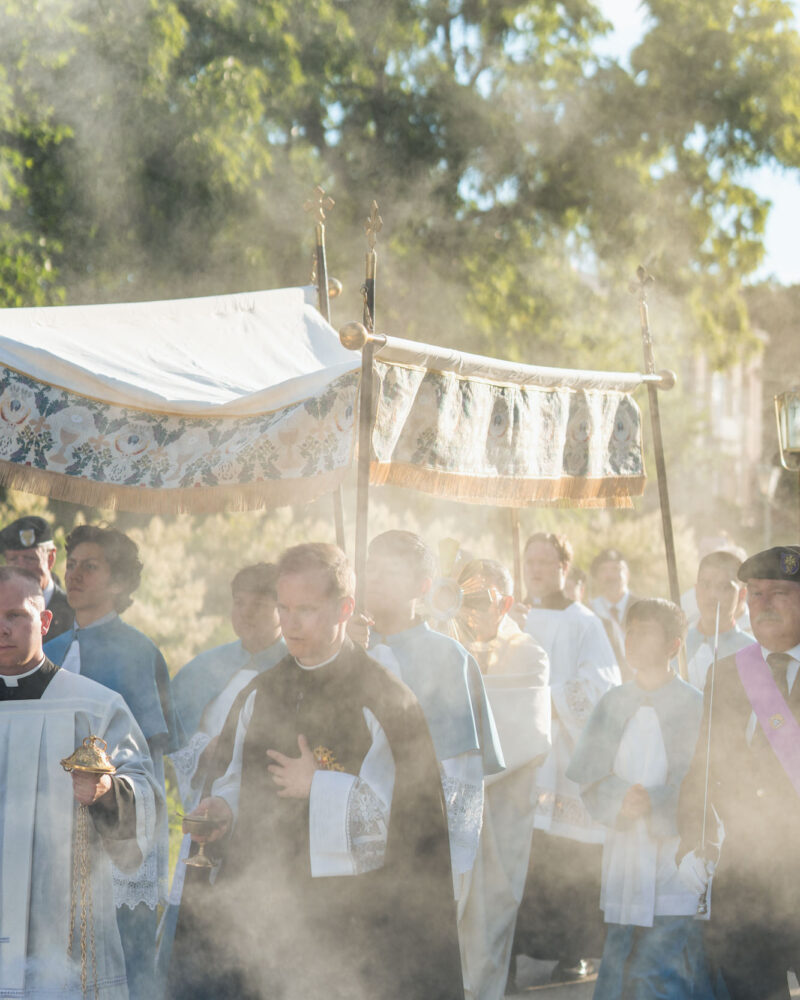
(397, 801)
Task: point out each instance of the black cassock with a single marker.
(266, 928)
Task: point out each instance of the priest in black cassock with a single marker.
(334, 878)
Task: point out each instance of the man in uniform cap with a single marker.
(27, 543)
(750, 768)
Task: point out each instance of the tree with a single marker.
(163, 147)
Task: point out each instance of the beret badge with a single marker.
(790, 563)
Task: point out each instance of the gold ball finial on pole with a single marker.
(353, 336)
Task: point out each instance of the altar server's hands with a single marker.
(358, 629)
(636, 803)
(89, 788)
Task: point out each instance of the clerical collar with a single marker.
(316, 666)
(556, 601)
(13, 682)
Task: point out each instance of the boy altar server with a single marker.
(630, 761)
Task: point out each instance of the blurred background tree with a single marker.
(156, 148)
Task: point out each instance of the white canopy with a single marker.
(222, 354)
(248, 400)
(234, 401)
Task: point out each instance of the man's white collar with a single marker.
(13, 682)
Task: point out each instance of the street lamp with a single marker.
(787, 414)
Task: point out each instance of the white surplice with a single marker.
(640, 878)
(516, 674)
(582, 669)
(37, 820)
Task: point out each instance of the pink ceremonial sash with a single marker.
(773, 714)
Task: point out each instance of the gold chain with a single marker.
(82, 882)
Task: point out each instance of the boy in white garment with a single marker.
(630, 761)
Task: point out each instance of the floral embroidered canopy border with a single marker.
(248, 401)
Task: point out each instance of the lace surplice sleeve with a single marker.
(349, 814)
(462, 784)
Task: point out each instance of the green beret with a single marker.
(25, 533)
(779, 563)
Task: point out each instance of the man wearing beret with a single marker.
(27, 543)
(750, 765)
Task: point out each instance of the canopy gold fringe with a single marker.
(508, 491)
(194, 500)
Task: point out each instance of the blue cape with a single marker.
(203, 678)
(730, 642)
(125, 660)
(448, 684)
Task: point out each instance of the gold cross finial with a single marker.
(319, 204)
(373, 225)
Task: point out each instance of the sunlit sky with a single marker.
(782, 260)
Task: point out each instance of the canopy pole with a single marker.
(515, 548)
(372, 227)
(319, 204)
(643, 281)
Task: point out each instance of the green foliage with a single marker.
(154, 148)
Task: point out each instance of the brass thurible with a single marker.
(90, 757)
